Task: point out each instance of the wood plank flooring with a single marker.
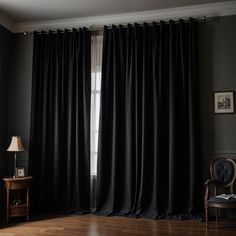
(90, 225)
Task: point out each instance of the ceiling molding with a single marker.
(7, 22)
(213, 9)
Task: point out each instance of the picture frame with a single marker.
(224, 102)
(20, 172)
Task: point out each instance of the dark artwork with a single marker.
(223, 102)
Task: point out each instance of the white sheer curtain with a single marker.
(96, 66)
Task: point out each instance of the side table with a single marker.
(19, 187)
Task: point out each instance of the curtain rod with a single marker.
(200, 19)
(95, 29)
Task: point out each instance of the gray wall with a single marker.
(19, 95)
(5, 59)
(217, 71)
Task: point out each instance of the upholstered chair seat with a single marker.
(221, 200)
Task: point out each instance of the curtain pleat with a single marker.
(60, 121)
(147, 155)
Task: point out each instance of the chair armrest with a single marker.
(210, 181)
(207, 184)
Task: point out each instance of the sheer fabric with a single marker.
(96, 67)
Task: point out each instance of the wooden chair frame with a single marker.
(217, 185)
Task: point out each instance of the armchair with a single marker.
(223, 173)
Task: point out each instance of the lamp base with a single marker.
(14, 176)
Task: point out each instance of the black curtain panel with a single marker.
(147, 157)
(60, 121)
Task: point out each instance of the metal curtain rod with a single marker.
(200, 19)
(100, 28)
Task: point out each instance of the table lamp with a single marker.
(15, 146)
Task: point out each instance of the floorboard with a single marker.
(90, 225)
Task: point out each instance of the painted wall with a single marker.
(217, 71)
(5, 60)
(19, 95)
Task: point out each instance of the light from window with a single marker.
(96, 66)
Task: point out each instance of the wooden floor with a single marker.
(89, 225)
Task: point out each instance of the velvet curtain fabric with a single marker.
(147, 157)
(60, 121)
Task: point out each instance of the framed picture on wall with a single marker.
(224, 102)
(20, 172)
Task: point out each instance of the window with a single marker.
(96, 66)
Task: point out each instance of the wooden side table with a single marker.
(20, 187)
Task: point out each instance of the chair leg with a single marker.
(216, 211)
(206, 217)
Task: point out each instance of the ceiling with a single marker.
(38, 10)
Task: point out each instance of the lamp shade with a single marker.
(16, 145)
